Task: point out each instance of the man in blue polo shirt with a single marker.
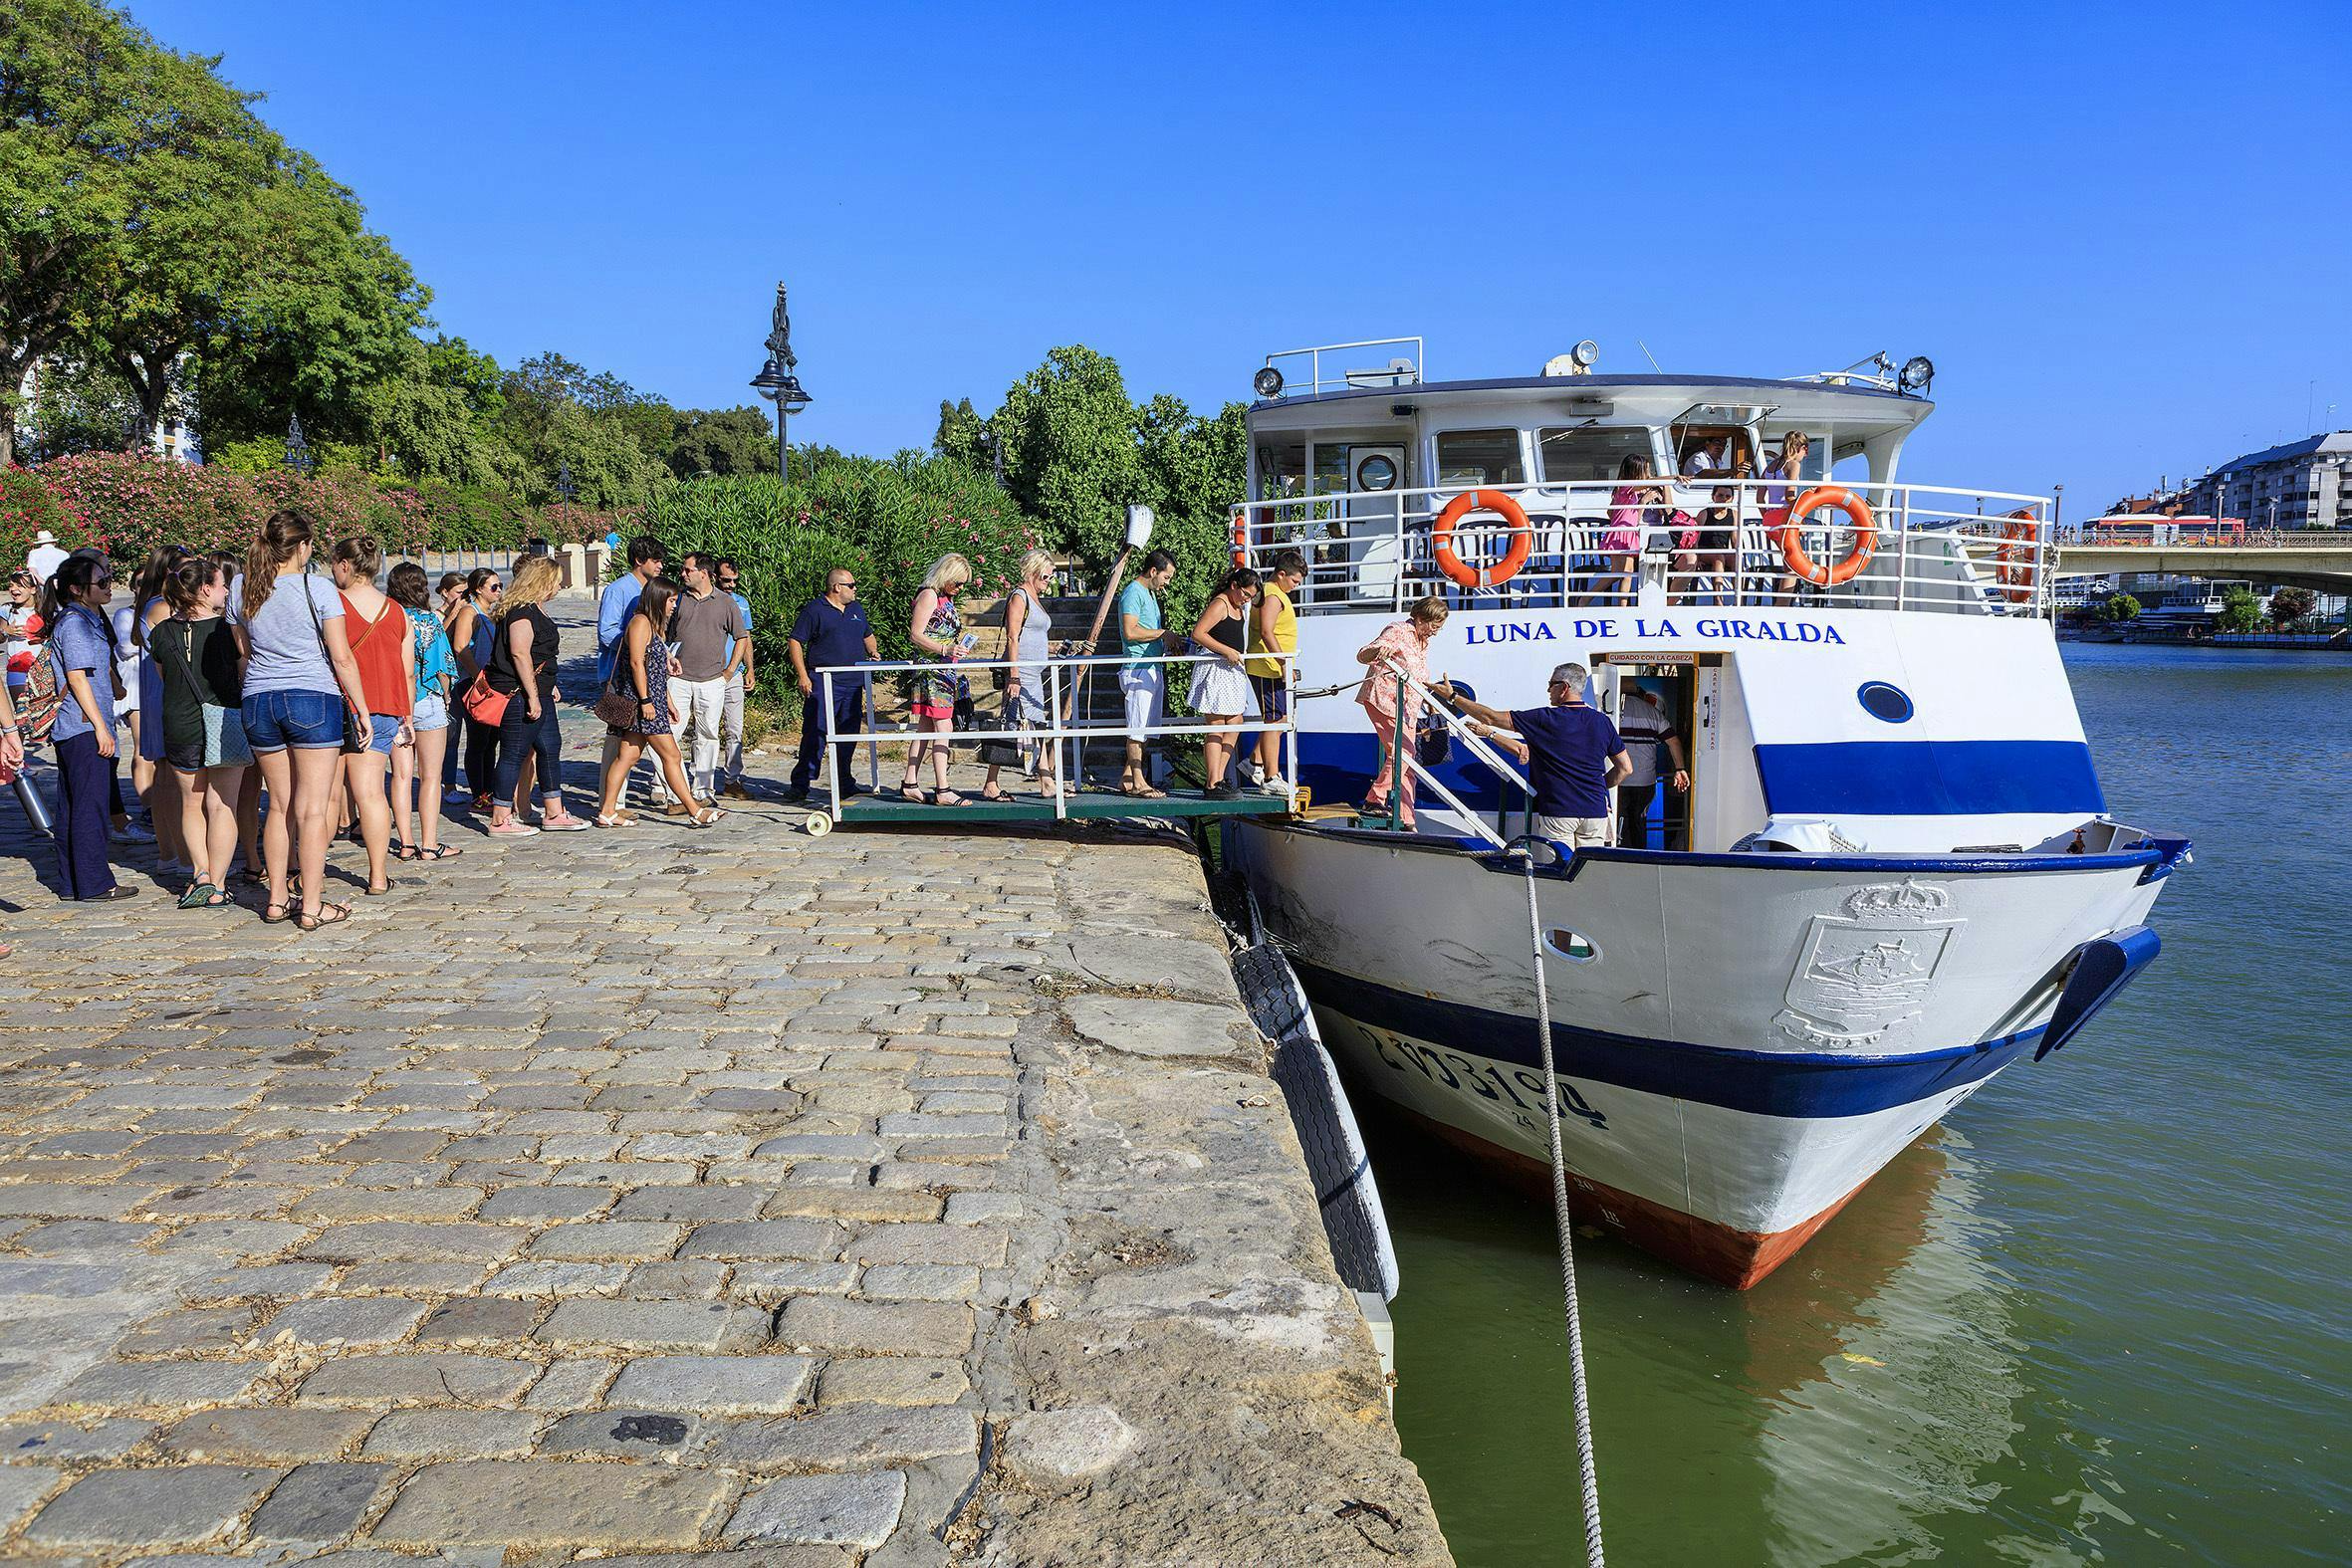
(830, 633)
(1573, 755)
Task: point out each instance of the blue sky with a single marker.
(2122, 233)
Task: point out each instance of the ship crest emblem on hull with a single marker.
(1865, 974)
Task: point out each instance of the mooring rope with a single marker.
(1524, 849)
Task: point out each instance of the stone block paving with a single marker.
(653, 1192)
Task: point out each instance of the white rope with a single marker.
(1560, 1220)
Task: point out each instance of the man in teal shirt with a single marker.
(1144, 685)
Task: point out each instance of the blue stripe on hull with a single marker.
(1929, 777)
(1834, 779)
(1806, 1084)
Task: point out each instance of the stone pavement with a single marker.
(872, 1199)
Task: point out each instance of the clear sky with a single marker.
(2123, 233)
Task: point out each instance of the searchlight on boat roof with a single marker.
(1918, 371)
(1577, 361)
(1268, 382)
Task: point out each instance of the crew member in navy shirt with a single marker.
(830, 633)
(1573, 755)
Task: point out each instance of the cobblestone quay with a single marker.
(867, 1200)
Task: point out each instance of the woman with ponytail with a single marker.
(82, 656)
(302, 692)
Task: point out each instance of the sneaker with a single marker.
(1220, 792)
(735, 791)
(563, 824)
(797, 794)
(132, 832)
(1256, 776)
(513, 830)
(455, 798)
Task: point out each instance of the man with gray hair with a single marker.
(1572, 752)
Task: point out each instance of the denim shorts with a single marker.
(306, 720)
(431, 713)
(382, 730)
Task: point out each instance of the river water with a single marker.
(2099, 1317)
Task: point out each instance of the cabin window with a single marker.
(1585, 452)
(1282, 471)
(1480, 457)
(1563, 943)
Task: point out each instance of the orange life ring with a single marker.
(2013, 561)
(1522, 538)
(1857, 512)
(1241, 538)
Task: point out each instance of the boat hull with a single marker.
(1744, 1042)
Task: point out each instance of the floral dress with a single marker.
(1398, 649)
(935, 691)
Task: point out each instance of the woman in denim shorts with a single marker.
(302, 688)
(417, 815)
(195, 716)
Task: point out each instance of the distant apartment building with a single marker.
(2300, 486)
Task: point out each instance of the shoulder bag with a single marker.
(617, 707)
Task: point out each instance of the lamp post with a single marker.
(777, 382)
(996, 453)
(298, 451)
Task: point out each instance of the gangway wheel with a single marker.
(816, 824)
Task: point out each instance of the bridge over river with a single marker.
(2320, 561)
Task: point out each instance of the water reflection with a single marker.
(1872, 1381)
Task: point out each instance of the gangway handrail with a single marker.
(1060, 726)
(1458, 727)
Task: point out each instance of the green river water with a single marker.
(2100, 1316)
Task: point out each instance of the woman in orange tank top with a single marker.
(378, 630)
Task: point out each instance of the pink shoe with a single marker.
(565, 823)
(513, 830)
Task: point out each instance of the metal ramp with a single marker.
(1088, 805)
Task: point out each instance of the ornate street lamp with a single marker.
(996, 453)
(298, 451)
(564, 488)
(777, 382)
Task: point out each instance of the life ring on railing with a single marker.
(1441, 539)
(2013, 562)
(1858, 513)
(1241, 538)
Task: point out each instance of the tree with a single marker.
(1193, 474)
(325, 312)
(2288, 606)
(79, 408)
(1068, 434)
(114, 148)
(2119, 607)
(2242, 611)
(722, 442)
(958, 436)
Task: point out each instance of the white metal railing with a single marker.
(1374, 376)
(1067, 726)
(1965, 552)
(1407, 756)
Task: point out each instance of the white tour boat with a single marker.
(1892, 873)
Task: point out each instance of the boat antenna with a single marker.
(1652, 358)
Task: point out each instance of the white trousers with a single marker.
(694, 720)
(731, 730)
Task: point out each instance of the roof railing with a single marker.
(1397, 373)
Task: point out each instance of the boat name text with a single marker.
(1644, 629)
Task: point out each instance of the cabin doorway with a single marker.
(1654, 699)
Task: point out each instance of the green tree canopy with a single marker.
(723, 442)
(2243, 611)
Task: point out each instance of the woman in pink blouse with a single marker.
(1401, 646)
(1621, 542)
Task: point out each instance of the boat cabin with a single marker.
(1358, 469)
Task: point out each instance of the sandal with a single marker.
(379, 892)
(202, 895)
(614, 820)
(910, 792)
(402, 851)
(708, 816)
(1148, 793)
(991, 793)
(948, 798)
(327, 915)
(284, 912)
(440, 852)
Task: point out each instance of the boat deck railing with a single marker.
(1072, 722)
(1925, 548)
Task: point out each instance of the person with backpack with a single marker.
(81, 663)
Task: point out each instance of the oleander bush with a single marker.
(129, 503)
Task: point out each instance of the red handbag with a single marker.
(484, 706)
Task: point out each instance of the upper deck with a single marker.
(1354, 466)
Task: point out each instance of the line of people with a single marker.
(270, 706)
